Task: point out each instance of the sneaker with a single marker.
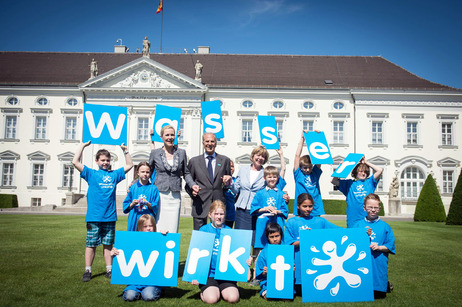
(108, 274)
(390, 287)
(86, 276)
(254, 283)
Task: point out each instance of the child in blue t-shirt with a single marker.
(304, 220)
(146, 223)
(101, 204)
(307, 178)
(382, 243)
(273, 232)
(215, 289)
(142, 197)
(356, 190)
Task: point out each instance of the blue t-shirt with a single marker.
(259, 266)
(101, 195)
(138, 191)
(263, 198)
(382, 234)
(292, 234)
(309, 184)
(355, 192)
(217, 231)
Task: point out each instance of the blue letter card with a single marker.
(268, 131)
(280, 268)
(166, 116)
(233, 253)
(104, 124)
(199, 257)
(336, 265)
(318, 148)
(347, 166)
(146, 258)
(212, 119)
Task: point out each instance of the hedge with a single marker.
(455, 209)
(8, 201)
(429, 207)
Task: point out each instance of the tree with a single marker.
(429, 206)
(455, 209)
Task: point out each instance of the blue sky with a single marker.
(421, 36)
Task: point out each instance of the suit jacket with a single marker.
(209, 191)
(243, 187)
(169, 177)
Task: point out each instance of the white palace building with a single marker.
(365, 104)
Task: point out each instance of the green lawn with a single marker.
(42, 262)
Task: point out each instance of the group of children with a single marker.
(268, 205)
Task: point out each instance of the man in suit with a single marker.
(210, 172)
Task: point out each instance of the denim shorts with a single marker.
(100, 233)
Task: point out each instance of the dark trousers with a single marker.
(243, 220)
(199, 222)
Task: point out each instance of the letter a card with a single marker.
(268, 131)
(166, 116)
(201, 247)
(233, 252)
(104, 124)
(280, 268)
(212, 118)
(146, 258)
(347, 165)
(318, 148)
(336, 265)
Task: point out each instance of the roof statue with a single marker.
(146, 47)
(198, 68)
(93, 68)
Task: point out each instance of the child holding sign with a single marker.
(273, 234)
(302, 221)
(146, 223)
(142, 197)
(307, 178)
(101, 204)
(356, 190)
(214, 289)
(382, 243)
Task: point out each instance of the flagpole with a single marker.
(161, 24)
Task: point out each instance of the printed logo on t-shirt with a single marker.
(373, 235)
(106, 179)
(107, 182)
(308, 181)
(360, 192)
(304, 227)
(271, 201)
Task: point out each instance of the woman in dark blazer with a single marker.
(170, 164)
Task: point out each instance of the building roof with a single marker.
(221, 70)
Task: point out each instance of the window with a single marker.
(38, 171)
(72, 102)
(13, 101)
(446, 134)
(68, 172)
(412, 180)
(143, 129)
(42, 101)
(247, 104)
(338, 105)
(411, 133)
(36, 202)
(338, 129)
(448, 182)
(308, 105)
(40, 128)
(308, 125)
(377, 132)
(181, 137)
(7, 174)
(70, 132)
(247, 130)
(10, 126)
(278, 104)
(280, 129)
(7, 167)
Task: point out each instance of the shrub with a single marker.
(455, 209)
(429, 207)
(8, 201)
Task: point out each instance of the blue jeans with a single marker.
(150, 293)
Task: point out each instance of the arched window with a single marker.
(13, 101)
(247, 104)
(338, 105)
(412, 181)
(42, 101)
(308, 105)
(278, 104)
(72, 102)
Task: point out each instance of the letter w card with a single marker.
(280, 268)
(146, 258)
(336, 265)
(233, 253)
(268, 131)
(104, 124)
(199, 257)
(166, 116)
(212, 118)
(318, 148)
(347, 165)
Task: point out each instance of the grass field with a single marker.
(42, 262)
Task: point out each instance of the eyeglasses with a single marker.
(373, 208)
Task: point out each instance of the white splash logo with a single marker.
(336, 261)
(308, 182)
(106, 179)
(271, 201)
(360, 188)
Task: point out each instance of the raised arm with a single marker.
(78, 154)
(283, 162)
(128, 159)
(298, 152)
(377, 170)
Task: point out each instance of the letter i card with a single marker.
(280, 268)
